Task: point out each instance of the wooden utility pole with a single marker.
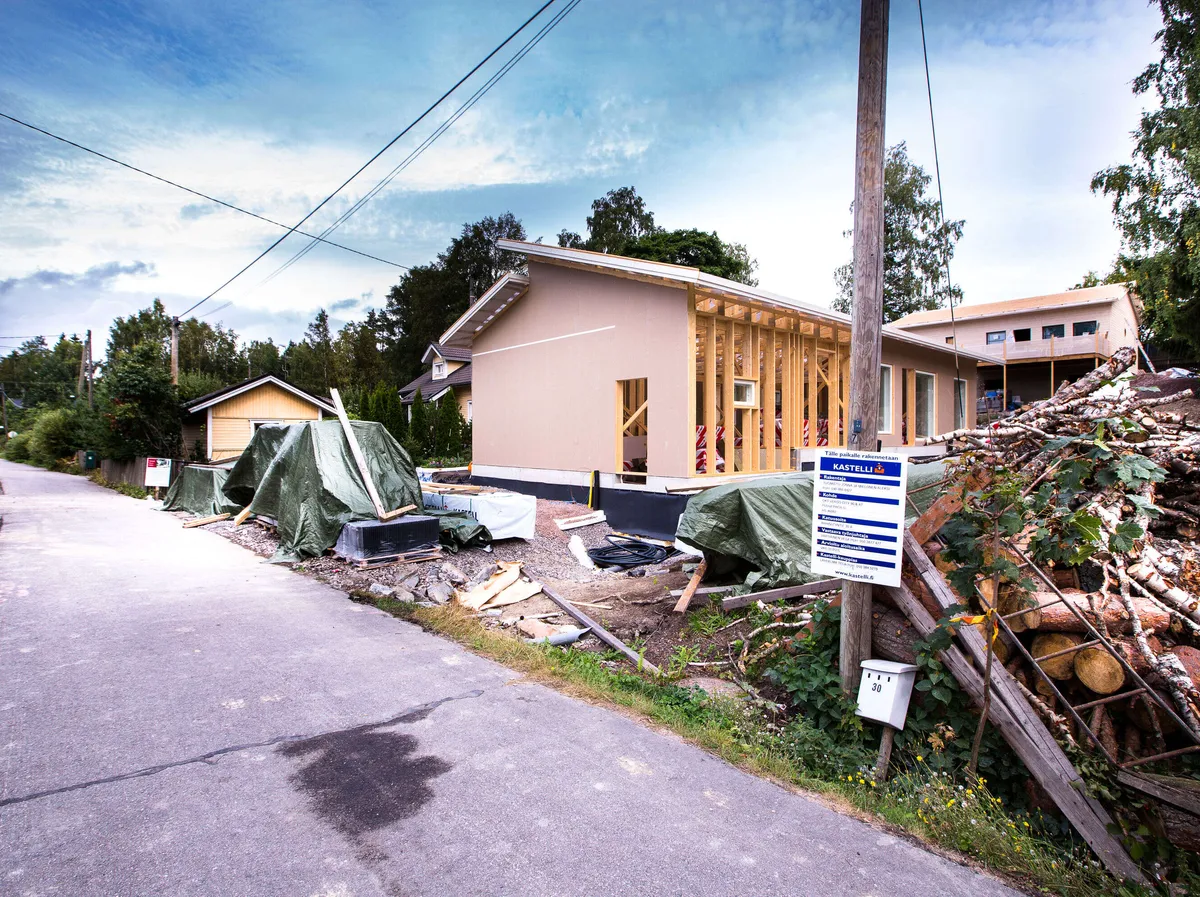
(175, 351)
(82, 369)
(3, 412)
(91, 367)
(866, 326)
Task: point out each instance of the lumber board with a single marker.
(599, 631)
(566, 523)
(1017, 721)
(781, 594)
(204, 521)
(242, 515)
(399, 512)
(359, 459)
(1185, 796)
(686, 598)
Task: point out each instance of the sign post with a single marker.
(158, 472)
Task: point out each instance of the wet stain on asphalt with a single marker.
(362, 780)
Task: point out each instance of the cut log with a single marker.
(1101, 723)
(1099, 671)
(1057, 617)
(1181, 828)
(1061, 667)
(999, 647)
(1019, 724)
(1190, 658)
(1161, 721)
(1012, 600)
(893, 637)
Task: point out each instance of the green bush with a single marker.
(54, 436)
(18, 448)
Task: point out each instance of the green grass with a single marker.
(124, 488)
(923, 803)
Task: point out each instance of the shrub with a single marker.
(54, 436)
(18, 448)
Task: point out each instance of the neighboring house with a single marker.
(644, 371)
(1038, 342)
(449, 368)
(224, 421)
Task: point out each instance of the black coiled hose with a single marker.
(625, 552)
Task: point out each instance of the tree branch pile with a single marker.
(1099, 487)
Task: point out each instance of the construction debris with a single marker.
(204, 521)
(566, 523)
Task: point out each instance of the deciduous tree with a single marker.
(917, 244)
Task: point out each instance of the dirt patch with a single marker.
(1169, 386)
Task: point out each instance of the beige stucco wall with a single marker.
(553, 405)
(902, 356)
(1114, 319)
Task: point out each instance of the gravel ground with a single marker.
(635, 606)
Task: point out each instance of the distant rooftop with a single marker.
(1109, 292)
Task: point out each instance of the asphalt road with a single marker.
(178, 717)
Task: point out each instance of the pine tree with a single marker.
(418, 440)
(448, 427)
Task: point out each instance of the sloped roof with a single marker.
(229, 392)
(1101, 295)
(432, 389)
(450, 353)
(511, 287)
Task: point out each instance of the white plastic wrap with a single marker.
(507, 515)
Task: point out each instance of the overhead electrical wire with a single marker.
(364, 166)
(937, 170)
(438, 132)
(179, 186)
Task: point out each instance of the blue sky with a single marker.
(735, 116)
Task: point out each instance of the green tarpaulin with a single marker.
(764, 526)
(198, 490)
(458, 530)
(252, 465)
(312, 487)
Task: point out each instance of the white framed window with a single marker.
(745, 393)
(960, 404)
(885, 398)
(925, 403)
(468, 410)
(439, 370)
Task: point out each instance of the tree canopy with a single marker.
(621, 224)
(917, 244)
(1156, 196)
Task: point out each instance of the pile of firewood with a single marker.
(1137, 587)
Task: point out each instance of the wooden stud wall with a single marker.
(779, 351)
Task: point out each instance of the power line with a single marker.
(937, 170)
(179, 186)
(441, 129)
(385, 148)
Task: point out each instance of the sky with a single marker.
(735, 116)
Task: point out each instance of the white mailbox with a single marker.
(884, 691)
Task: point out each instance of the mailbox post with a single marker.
(883, 695)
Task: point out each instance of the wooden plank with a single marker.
(690, 442)
(837, 433)
(399, 512)
(1179, 792)
(710, 399)
(599, 631)
(728, 414)
(243, 514)
(1027, 735)
(910, 406)
(633, 417)
(356, 451)
(789, 342)
(768, 381)
(618, 429)
(811, 409)
(771, 595)
(568, 523)
(750, 435)
(686, 598)
(204, 521)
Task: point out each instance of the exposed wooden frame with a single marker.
(710, 398)
(910, 406)
(690, 372)
(729, 414)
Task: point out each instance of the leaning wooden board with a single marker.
(361, 461)
(1017, 721)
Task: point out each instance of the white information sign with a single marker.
(158, 471)
(858, 515)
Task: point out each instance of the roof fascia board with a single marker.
(1005, 313)
(270, 378)
(510, 278)
(696, 277)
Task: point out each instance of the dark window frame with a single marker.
(1048, 331)
(1076, 331)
